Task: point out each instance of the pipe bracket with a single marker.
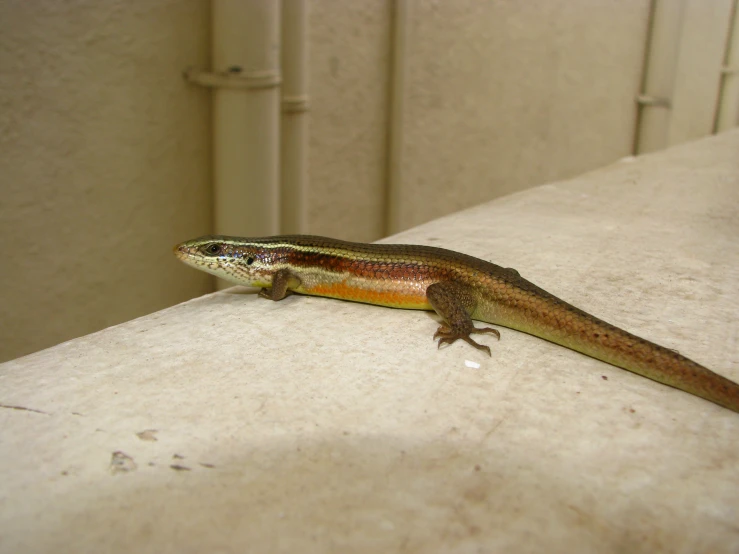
(295, 104)
(656, 101)
(234, 78)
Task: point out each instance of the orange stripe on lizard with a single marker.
(396, 298)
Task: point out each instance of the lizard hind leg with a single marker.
(454, 303)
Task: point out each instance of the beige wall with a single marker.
(106, 149)
(700, 56)
(499, 96)
(685, 93)
(349, 54)
(105, 163)
(505, 95)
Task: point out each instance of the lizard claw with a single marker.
(447, 335)
(265, 293)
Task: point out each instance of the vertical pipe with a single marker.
(246, 36)
(294, 137)
(660, 68)
(727, 115)
(396, 112)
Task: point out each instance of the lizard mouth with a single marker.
(183, 252)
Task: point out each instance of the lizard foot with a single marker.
(447, 335)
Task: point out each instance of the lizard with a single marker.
(458, 287)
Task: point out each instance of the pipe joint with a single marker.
(653, 101)
(234, 78)
(295, 104)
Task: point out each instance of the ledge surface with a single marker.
(231, 424)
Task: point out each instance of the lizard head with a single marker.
(234, 259)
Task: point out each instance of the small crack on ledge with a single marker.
(24, 409)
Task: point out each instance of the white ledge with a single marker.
(231, 423)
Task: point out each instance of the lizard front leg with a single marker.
(282, 283)
(455, 303)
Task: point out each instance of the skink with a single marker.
(458, 287)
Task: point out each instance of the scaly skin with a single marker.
(458, 287)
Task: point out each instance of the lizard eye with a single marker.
(249, 261)
(213, 248)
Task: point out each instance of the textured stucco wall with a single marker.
(704, 36)
(499, 96)
(349, 56)
(104, 166)
(506, 95)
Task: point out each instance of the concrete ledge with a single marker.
(232, 424)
